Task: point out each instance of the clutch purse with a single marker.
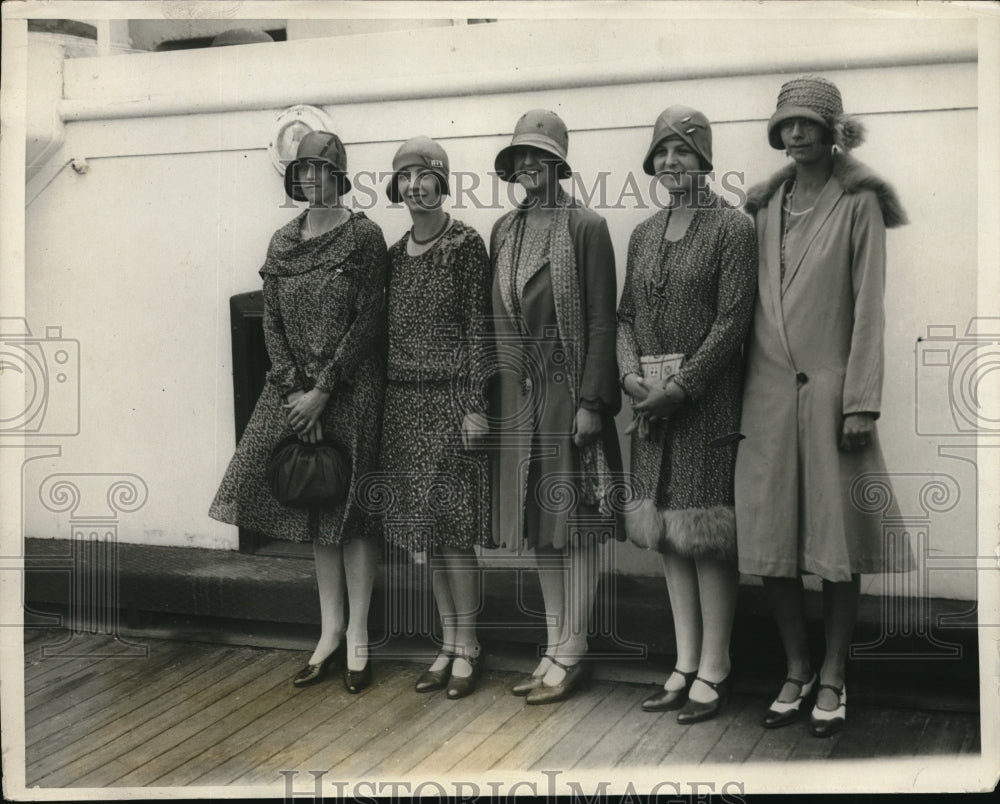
(660, 368)
(656, 370)
(305, 475)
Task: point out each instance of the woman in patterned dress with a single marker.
(689, 290)
(556, 393)
(324, 320)
(434, 423)
(813, 391)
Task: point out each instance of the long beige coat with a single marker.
(816, 355)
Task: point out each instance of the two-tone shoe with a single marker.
(781, 713)
(825, 722)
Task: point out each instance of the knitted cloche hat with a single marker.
(421, 152)
(540, 129)
(688, 124)
(815, 98)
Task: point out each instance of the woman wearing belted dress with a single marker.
(556, 393)
(813, 390)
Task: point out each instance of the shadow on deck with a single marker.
(155, 712)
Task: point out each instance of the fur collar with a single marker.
(852, 176)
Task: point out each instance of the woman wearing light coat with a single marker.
(813, 389)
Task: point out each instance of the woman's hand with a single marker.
(475, 428)
(304, 409)
(660, 402)
(586, 427)
(314, 434)
(857, 432)
(634, 387)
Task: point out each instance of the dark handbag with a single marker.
(305, 475)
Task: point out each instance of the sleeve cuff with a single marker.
(679, 380)
(327, 381)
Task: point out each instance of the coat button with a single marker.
(801, 378)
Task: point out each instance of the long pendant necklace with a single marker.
(787, 215)
(660, 277)
(416, 240)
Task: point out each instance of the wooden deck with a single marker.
(201, 714)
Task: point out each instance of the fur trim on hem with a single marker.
(852, 175)
(688, 532)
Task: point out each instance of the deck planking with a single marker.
(201, 714)
(327, 714)
(124, 694)
(620, 702)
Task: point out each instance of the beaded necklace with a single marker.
(786, 215)
(433, 237)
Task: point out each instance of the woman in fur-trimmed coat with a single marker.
(813, 389)
(689, 291)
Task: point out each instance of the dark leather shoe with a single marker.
(577, 676)
(357, 680)
(525, 687)
(433, 680)
(825, 722)
(314, 673)
(666, 700)
(460, 686)
(782, 713)
(533, 682)
(696, 711)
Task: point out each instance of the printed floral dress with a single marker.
(324, 325)
(694, 297)
(435, 491)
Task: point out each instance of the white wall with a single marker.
(138, 257)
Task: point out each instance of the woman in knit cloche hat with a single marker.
(682, 321)
(813, 390)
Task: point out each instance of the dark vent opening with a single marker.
(250, 367)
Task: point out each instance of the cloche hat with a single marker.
(815, 98)
(422, 152)
(540, 129)
(317, 146)
(688, 124)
